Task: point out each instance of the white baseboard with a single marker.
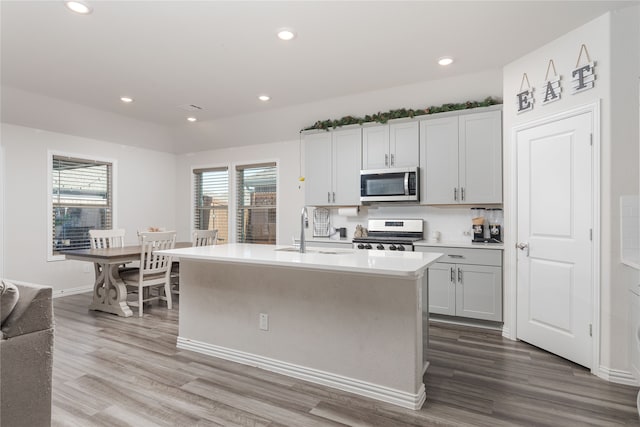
(616, 376)
(374, 391)
(72, 291)
(60, 292)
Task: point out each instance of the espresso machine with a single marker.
(494, 216)
(477, 222)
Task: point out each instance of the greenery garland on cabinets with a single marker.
(399, 114)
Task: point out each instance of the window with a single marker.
(82, 199)
(211, 198)
(256, 204)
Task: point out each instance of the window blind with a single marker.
(82, 200)
(256, 203)
(211, 201)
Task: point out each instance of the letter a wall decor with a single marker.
(552, 89)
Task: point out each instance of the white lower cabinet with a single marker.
(466, 283)
(634, 335)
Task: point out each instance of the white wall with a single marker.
(145, 195)
(616, 56)
(28, 109)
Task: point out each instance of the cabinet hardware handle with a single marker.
(455, 194)
(455, 256)
(461, 193)
(328, 197)
(453, 275)
(386, 160)
(334, 197)
(393, 160)
(459, 275)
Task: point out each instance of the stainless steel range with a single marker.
(391, 235)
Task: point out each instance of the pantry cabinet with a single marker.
(332, 168)
(394, 145)
(461, 158)
(466, 283)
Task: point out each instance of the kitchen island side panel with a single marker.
(364, 327)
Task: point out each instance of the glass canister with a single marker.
(494, 217)
(477, 222)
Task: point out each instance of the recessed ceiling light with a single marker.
(286, 34)
(78, 7)
(264, 98)
(126, 99)
(446, 60)
(192, 119)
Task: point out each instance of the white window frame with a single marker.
(230, 203)
(231, 168)
(235, 193)
(114, 185)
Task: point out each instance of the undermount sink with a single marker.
(288, 250)
(313, 251)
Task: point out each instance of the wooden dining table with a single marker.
(109, 291)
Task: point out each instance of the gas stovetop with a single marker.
(391, 234)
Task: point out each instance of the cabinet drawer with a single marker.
(466, 255)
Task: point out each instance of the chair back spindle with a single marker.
(205, 237)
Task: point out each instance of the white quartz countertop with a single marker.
(471, 245)
(386, 263)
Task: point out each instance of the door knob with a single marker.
(523, 246)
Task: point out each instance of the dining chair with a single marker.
(205, 237)
(107, 238)
(154, 270)
(103, 239)
(200, 238)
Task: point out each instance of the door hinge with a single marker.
(590, 330)
(591, 234)
(591, 139)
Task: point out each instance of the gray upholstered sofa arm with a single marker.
(33, 312)
(26, 360)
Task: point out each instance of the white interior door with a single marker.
(554, 208)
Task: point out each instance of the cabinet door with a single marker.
(439, 161)
(442, 289)
(404, 145)
(347, 155)
(481, 157)
(634, 335)
(375, 147)
(479, 292)
(317, 181)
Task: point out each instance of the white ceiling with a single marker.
(221, 55)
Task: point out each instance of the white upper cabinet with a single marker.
(480, 168)
(391, 146)
(439, 161)
(332, 167)
(318, 160)
(461, 159)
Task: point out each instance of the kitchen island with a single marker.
(347, 319)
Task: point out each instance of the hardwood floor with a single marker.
(114, 371)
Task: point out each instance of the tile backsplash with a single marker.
(453, 223)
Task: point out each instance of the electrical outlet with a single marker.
(264, 321)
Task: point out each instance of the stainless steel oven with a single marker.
(391, 235)
(389, 185)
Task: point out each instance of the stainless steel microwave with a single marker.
(389, 185)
